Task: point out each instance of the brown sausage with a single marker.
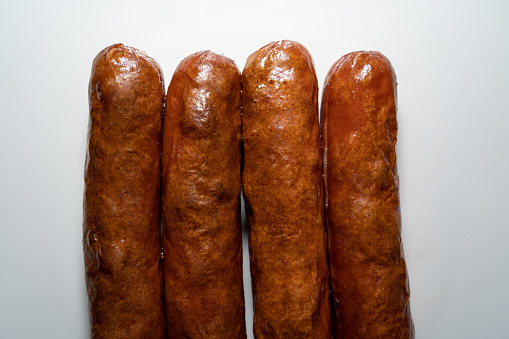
(369, 280)
(202, 234)
(283, 190)
(122, 218)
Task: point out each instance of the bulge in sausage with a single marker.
(202, 234)
(369, 282)
(122, 213)
(283, 191)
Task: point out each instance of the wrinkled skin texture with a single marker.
(201, 200)
(370, 290)
(283, 190)
(121, 228)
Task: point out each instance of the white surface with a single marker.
(451, 61)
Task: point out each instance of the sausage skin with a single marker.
(122, 212)
(202, 232)
(369, 282)
(283, 191)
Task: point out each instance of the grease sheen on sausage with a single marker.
(121, 228)
(283, 191)
(201, 200)
(369, 280)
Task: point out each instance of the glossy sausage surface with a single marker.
(283, 191)
(121, 227)
(369, 280)
(201, 200)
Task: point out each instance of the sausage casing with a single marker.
(369, 281)
(283, 191)
(202, 233)
(122, 212)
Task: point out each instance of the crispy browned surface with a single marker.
(201, 200)
(368, 272)
(283, 190)
(121, 228)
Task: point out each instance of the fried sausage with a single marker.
(202, 233)
(122, 212)
(283, 191)
(369, 281)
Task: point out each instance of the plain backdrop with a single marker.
(451, 60)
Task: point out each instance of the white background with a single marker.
(451, 59)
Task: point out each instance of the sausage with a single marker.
(369, 282)
(202, 232)
(283, 192)
(122, 212)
